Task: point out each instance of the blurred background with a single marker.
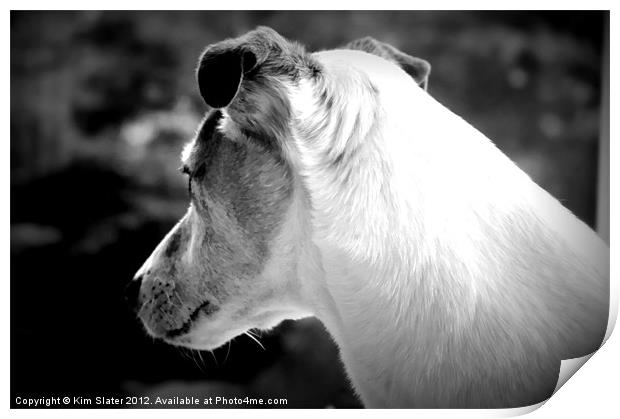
(101, 105)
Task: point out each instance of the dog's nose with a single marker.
(132, 292)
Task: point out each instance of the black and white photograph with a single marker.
(307, 209)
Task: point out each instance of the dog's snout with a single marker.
(132, 292)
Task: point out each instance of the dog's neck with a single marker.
(363, 240)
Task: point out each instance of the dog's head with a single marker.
(233, 262)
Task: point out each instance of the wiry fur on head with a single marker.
(331, 184)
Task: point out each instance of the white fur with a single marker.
(443, 272)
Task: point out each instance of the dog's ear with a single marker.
(417, 68)
(224, 65)
(220, 72)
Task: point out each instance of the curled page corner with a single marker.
(568, 367)
(518, 411)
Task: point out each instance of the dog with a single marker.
(331, 184)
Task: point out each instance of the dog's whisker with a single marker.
(227, 351)
(204, 364)
(255, 340)
(214, 358)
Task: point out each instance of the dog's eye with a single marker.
(185, 170)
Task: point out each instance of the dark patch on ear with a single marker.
(416, 67)
(220, 73)
(223, 66)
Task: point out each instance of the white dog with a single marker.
(331, 184)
